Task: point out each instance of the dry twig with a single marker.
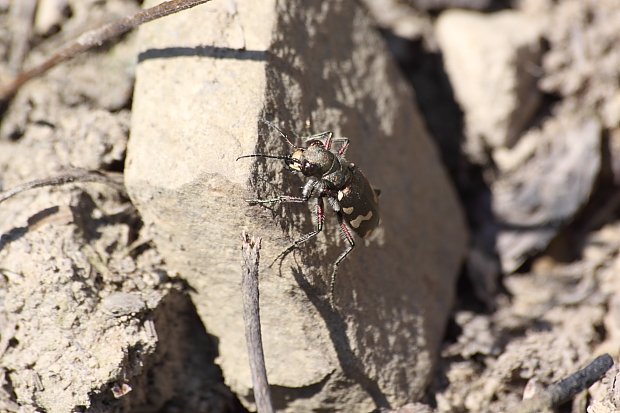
(249, 289)
(70, 176)
(563, 390)
(96, 37)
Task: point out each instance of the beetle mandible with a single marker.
(344, 185)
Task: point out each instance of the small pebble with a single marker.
(121, 304)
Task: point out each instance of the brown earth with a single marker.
(85, 292)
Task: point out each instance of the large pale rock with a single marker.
(204, 79)
(490, 59)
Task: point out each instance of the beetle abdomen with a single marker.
(359, 204)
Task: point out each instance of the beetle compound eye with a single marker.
(309, 167)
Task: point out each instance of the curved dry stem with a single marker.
(93, 38)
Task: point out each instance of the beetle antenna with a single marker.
(291, 126)
(265, 121)
(262, 155)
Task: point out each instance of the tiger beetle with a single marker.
(344, 185)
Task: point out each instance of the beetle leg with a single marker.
(328, 142)
(345, 145)
(320, 213)
(349, 238)
(281, 198)
(306, 194)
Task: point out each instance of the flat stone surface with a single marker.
(204, 80)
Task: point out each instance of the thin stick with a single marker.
(249, 289)
(563, 390)
(96, 37)
(68, 177)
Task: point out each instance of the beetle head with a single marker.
(312, 161)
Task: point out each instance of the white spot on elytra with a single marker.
(348, 210)
(360, 218)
